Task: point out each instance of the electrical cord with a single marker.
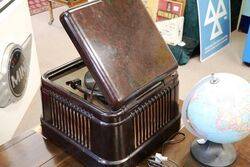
(168, 163)
(161, 161)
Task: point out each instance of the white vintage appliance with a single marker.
(19, 69)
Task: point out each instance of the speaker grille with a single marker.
(152, 115)
(68, 118)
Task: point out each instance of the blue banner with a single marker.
(214, 25)
(246, 56)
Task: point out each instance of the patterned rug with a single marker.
(38, 6)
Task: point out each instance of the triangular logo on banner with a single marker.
(213, 16)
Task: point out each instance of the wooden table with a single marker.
(32, 149)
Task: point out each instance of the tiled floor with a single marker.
(54, 48)
(38, 6)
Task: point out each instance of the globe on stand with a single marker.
(217, 111)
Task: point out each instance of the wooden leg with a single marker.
(51, 17)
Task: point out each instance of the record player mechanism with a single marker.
(90, 88)
(119, 101)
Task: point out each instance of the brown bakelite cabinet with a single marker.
(134, 71)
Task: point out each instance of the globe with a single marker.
(217, 110)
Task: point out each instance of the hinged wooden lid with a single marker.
(120, 45)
